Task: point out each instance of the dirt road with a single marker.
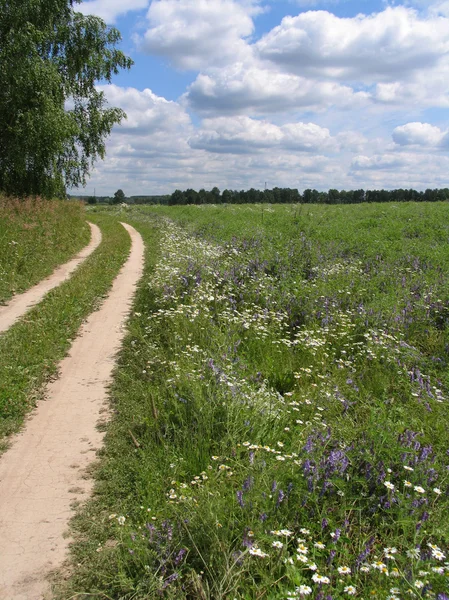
(22, 303)
(42, 474)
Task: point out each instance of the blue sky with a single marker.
(298, 93)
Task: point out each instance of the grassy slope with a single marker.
(334, 368)
(35, 237)
(32, 348)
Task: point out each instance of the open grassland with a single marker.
(35, 237)
(32, 348)
(280, 410)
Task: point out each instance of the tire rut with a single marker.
(43, 473)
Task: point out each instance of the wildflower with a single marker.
(312, 567)
(277, 544)
(438, 554)
(319, 545)
(280, 458)
(302, 558)
(121, 520)
(390, 550)
(389, 485)
(365, 568)
(438, 570)
(413, 553)
(433, 546)
(407, 483)
(437, 491)
(317, 578)
(304, 531)
(350, 589)
(395, 572)
(254, 551)
(215, 457)
(395, 591)
(304, 590)
(286, 532)
(301, 549)
(344, 570)
(408, 468)
(419, 489)
(380, 566)
(419, 584)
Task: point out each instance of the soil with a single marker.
(43, 474)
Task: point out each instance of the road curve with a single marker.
(42, 473)
(22, 303)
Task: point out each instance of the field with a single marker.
(279, 411)
(35, 237)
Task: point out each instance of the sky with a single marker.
(303, 94)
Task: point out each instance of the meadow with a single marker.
(279, 412)
(35, 237)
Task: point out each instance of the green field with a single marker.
(279, 411)
(35, 237)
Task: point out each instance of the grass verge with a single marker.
(279, 412)
(32, 348)
(35, 237)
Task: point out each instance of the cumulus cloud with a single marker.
(386, 46)
(147, 113)
(109, 10)
(419, 134)
(255, 88)
(242, 135)
(377, 162)
(194, 34)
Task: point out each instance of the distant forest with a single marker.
(279, 196)
(293, 196)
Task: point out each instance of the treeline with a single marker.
(309, 196)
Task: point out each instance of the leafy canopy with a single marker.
(53, 120)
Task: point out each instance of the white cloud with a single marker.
(419, 134)
(387, 46)
(194, 34)
(255, 88)
(147, 113)
(241, 135)
(377, 162)
(109, 10)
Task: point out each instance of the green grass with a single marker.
(32, 348)
(35, 237)
(285, 378)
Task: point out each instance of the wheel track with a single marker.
(44, 471)
(22, 303)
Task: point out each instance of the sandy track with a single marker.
(22, 303)
(43, 472)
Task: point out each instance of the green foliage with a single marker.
(53, 120)
(119, 197)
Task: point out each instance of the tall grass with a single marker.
(280, 410)
(35, 236)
